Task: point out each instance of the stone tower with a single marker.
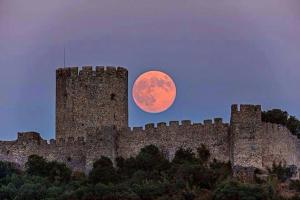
(246, 136)
(88, 100)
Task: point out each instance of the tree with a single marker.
(281, 171)
(184, 155)
(203, 154)
(126, 167)
(275, 116)
(232, 190)
(151, 158)
(8, 192)
(293, 124)
(7, 168)
(31, 191)
(58, 172)
(36, 165)
(103, 172)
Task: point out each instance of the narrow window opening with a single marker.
(113, 97)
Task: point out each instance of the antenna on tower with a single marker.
(64, 56)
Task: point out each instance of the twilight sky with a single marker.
(217, 52)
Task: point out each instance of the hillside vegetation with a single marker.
(148, 176)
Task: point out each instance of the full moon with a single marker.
(154, 91)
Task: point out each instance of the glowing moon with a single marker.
(154, 91)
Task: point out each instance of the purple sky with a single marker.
(217, 52)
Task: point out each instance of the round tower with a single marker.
(88, 100)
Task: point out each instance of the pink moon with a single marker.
(154, 91)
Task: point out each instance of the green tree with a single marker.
(36, 165)
(31, 191)
(103, 172)
(151, 158)
(203, 154)
(293, 124)
(184, 155)
(280, 170)
(54, 192)
(275, 116)
(126, 167)
(58, 172)
(236, 191)
(149, 190)
(8, 192)
(7, 168)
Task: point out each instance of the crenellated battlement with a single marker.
(245, 108)
(29, 137)
(179, 125)
(89, 71)
(92, 121)
(245, 112)
(77, 89)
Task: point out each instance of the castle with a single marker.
(92, 121)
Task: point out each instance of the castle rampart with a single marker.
(171, 137)
(92, 121)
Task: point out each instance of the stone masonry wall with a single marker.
(171, 137)
(279, 145)
(71, 152)
(275, 144)
(246, 136)
(87, 99)
(92, 121)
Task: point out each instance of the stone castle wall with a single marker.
(279, 145)
(169, 138)
(88, 99)
(275, 144)
(72, 153)
(92, 121)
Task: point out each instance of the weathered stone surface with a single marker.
(88, 99)
(92, 121)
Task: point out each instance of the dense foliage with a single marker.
(278, 116)
(148, 176)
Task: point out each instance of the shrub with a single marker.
(236, 191)
(184, 155)
(195, 175)
(54, 171)
(8, 192)
(151, 158)
(7, 168)
(119, 191)
(54, 192)
(36, 166)
(126, 168)
(295, 185)
(220, 171)
(103, 172)
(78, 176)
(203, 154)
(281, 171)
(58, 172)
(149, 190)
(31, 192)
